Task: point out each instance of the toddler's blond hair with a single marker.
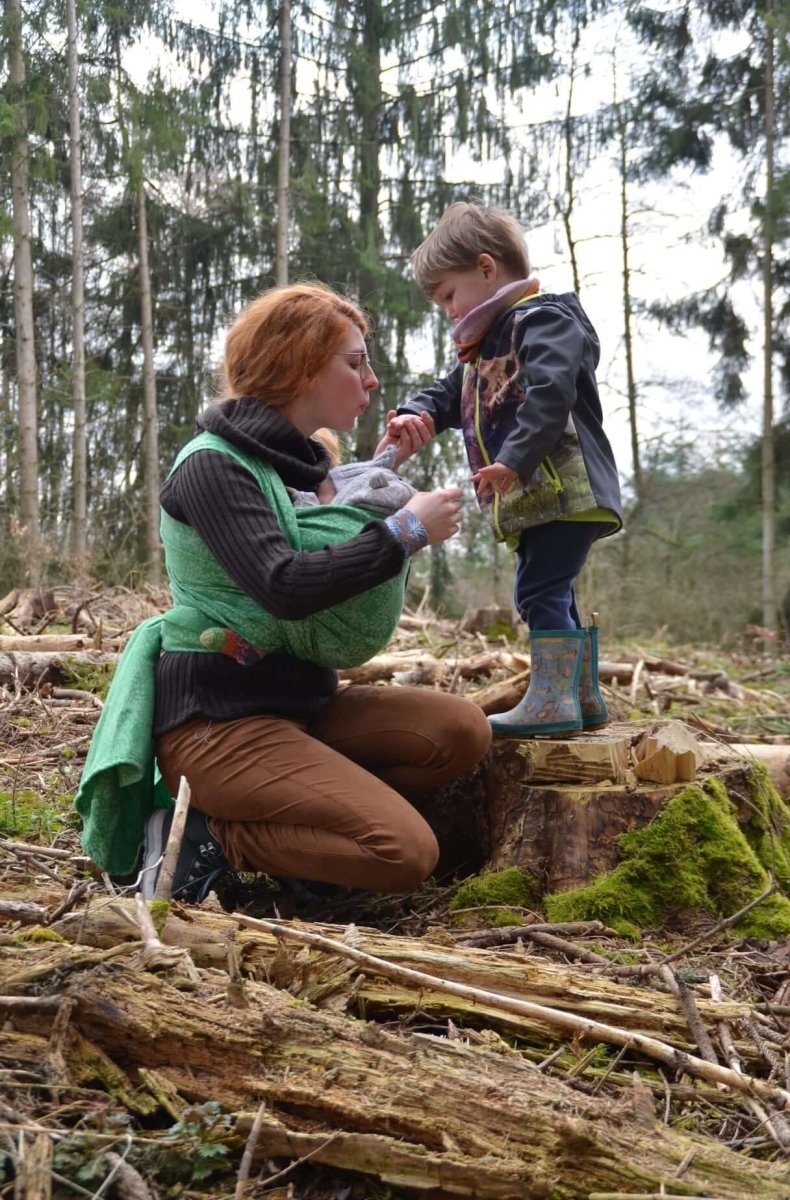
(464, 232)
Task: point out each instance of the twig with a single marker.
(565, 947)
(76, 892)
(582, 1027)
(249, 1152)
(298, 1161)
(155, 953)
(725, 923)
(164, 884)
(511, 933)
(698, 1031)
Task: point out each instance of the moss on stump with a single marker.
(694, 855)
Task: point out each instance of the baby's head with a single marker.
(331, 443)
(470, 255)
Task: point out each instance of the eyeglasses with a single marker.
(363, 364)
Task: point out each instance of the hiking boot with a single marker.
(200, 861)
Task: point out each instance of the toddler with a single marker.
(525, 396)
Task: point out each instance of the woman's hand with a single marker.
(408, 432)
(439, 511)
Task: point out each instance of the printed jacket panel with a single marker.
(531, 401)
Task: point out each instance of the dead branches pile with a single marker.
(499, 1071)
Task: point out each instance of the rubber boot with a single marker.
(551, 704)
(593, 705)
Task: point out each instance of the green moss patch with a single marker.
(89, 677)
(693, 856)
(495, 891)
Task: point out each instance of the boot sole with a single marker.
(536, 730)
(595, 724)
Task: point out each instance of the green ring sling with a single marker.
(120, 783)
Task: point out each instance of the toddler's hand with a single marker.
(495, 478)
(408, 432)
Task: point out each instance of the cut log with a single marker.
(486, 620)
(414, 1111)
(581, 759)
(32, 669)
(668, 753)
(328, 982)
(775, 759)
(55, 643)
(384, 666)
(499, 697)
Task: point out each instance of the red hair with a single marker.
(281, 341)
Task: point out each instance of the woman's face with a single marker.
(340, 393)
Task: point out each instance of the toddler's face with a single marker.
(458, 292)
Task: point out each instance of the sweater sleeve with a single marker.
(224, 505)
(550, 347)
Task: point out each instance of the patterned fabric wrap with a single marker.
(346, 635)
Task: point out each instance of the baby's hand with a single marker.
(408, 432)
(495, 478)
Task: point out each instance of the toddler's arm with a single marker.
(405, 435)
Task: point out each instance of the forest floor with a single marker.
(98, 1143)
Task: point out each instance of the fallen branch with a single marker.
(580, 1026)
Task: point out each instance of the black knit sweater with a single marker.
(223, 503)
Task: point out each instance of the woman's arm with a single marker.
(223, 503)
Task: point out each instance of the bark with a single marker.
(79, 457)
(767, 464)
(26, 372)
(413, 1111)
(328, 982)
(55, 643)
(30, 670)
(284, 144)
(628, 338)
(150, 435)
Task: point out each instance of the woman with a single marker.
(288, 775)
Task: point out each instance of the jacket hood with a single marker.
(261, 430)
(570, 304)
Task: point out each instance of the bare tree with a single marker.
(79, 476)
(284, 145)
(768, 472)
(23, 298)
(150, 436)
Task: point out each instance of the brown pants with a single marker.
(325, 801)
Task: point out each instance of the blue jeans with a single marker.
(549, 558)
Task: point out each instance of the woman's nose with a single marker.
(370, 382)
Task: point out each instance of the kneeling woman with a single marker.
(288, 774)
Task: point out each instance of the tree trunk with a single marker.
(435, 1115)
(150, 437)
(79, 436)
(369, 100)
(768, 471)
(628, 339)
(567, 202)
(23, 299)
(284, 144)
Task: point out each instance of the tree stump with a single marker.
(558, 807)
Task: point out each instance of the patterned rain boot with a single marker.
(593, 705)
(551, 704)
